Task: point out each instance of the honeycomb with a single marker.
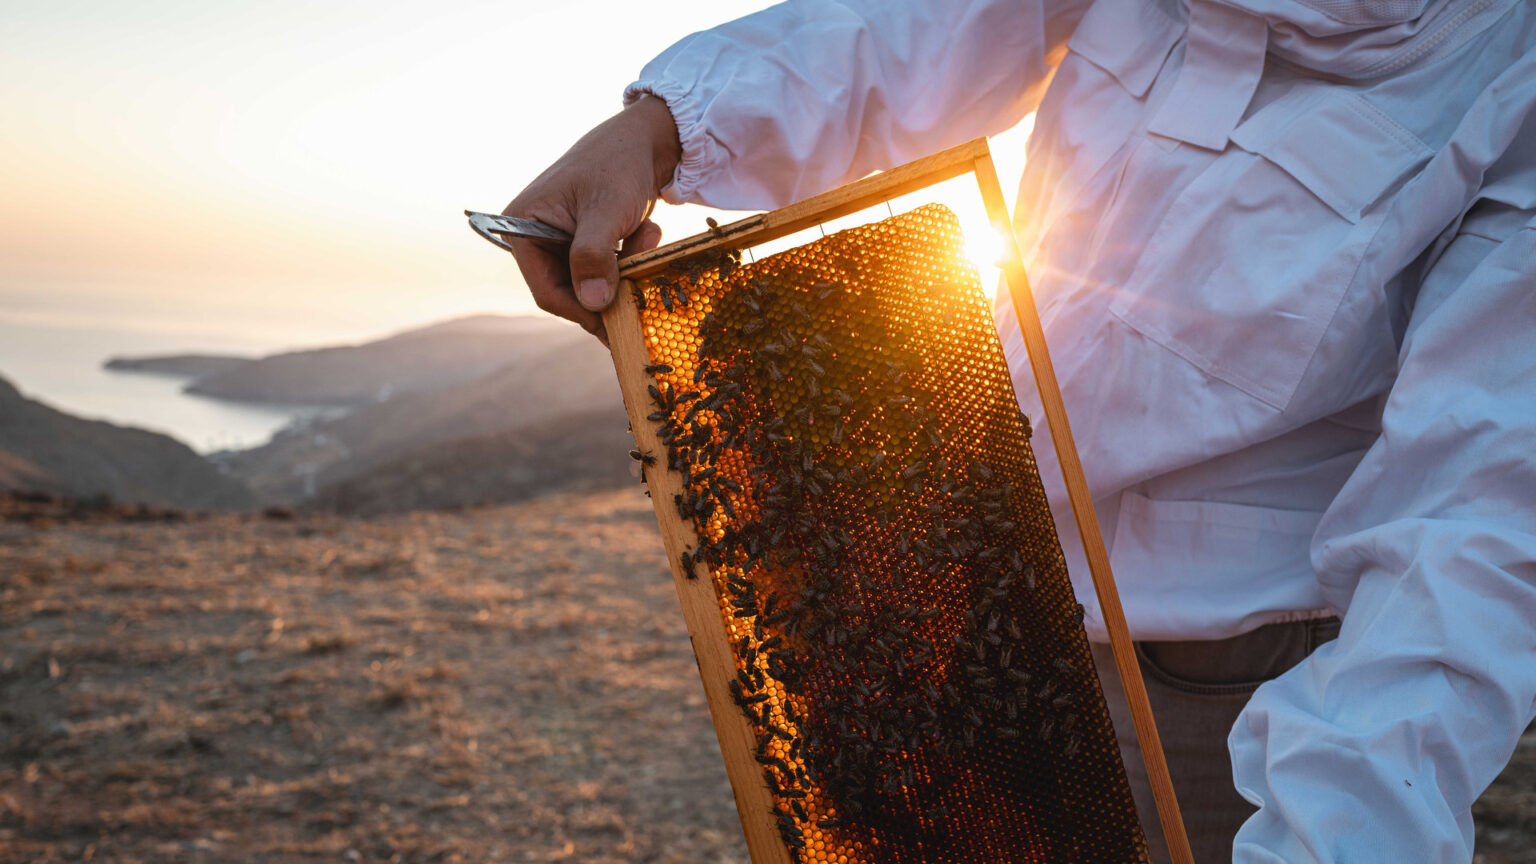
(908, 648)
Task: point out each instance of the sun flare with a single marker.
(983, 246)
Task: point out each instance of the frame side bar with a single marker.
(841, 201)
(1083, 513)
(701, 610)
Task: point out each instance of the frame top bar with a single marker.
(841, 201)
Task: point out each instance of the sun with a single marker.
(983, 246)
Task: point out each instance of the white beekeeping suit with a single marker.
(1286, 260)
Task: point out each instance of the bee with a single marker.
(1011, 707)
(666, 294)
(1046, 691)
(769, 760)
(793, 794)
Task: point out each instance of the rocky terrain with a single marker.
(502, 684)
(45, 450)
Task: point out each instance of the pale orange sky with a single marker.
(294, 172)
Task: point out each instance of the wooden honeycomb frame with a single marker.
(701, 604)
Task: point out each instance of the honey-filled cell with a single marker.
(909, 652)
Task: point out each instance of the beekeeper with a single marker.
(1285, 253)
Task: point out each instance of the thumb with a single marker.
(594, 266)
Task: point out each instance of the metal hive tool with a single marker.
(889, 643)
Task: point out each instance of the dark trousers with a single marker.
(1197, 689)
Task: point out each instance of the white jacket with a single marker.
(1285, 253)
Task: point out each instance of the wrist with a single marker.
(659, 130)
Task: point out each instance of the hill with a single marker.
(551, 419)
(46, 450)
(428, 358)
(574, 452)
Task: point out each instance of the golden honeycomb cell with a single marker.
(908, 648)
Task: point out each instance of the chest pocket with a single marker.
(1245, 271)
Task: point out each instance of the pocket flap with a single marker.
(1129, 39)
(1345, 150)
(1211, 567)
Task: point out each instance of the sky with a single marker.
(289, 172)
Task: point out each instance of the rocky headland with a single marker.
(192, 366)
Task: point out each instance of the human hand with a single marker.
(601, 191)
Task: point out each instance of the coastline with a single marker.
(64, 367)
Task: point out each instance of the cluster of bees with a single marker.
(907, 646)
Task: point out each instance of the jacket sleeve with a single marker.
(1375, 748)
(805, 95)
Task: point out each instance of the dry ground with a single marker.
(510, 684)
(499, 685)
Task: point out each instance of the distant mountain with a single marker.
(430, 358)
(180, 365)
(550, 419)
(45, 450)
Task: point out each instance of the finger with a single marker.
(642, 239)
(594, 267)
(544, 271)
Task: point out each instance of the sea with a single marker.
(62, 366)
